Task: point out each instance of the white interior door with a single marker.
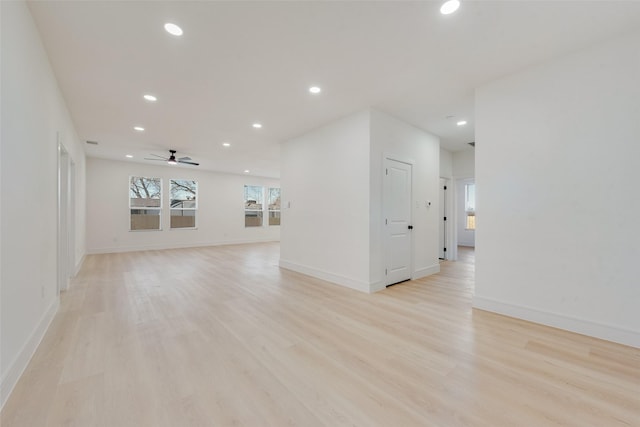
(63, 218)
(443, 219)
(397, 212)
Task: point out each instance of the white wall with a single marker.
(464, 163)
(325, 196)
(220, 216)
(446, 163)
(557, 160)
(393, 138)
(33, 113)
(332, 179)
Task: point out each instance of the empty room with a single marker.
(319, 213)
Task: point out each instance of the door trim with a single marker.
(385, 257)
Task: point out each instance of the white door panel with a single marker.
(443, 219)
(397, 209)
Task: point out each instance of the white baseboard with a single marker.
(120, 249)
(325, 275)
(426, 271)
(79, 265)
(417, 274)
(560, 321)
(20, 363)
(377, 286)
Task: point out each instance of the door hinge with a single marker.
(445, 249)
(445, 187)
(386, 171)
(385, 271)
(445, 218)
(386, 222)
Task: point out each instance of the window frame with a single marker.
(153, 208)
(194, 209)
(269, 210)
(260, 212)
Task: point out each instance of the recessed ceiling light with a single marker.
(462, 123)
(247, 171)
(257, 125)
(129, 156)
(226, 144)
(138, 128)
(449, 7)
(173, 29)
(150, 98)
(315, 89)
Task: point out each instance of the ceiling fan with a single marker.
(172, 159)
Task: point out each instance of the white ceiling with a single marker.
(240, 62)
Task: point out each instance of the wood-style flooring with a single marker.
(221, 336)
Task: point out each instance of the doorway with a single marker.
(66, 218)
(397, 221)
(466, 212)
(442, 227)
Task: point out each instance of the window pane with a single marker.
(274, 217)
(184, 202)
(471, 221)
(183, 218)
(274, 206)
(145, 219)
(183, 193)
(470, 197)
(252, 218)
(253, 197)
(145, 192)
(274, 199)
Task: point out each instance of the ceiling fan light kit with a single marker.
(172, 160)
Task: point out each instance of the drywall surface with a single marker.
(395, 139)
(34, 118)
(464, 163)
(325, 196)
(556, 159)
(446, 163)
(220, 215)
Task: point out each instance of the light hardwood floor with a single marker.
(221, 336)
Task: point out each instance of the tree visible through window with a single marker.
(253, 196)
(274, 206)
(184, 204)
(145, 203)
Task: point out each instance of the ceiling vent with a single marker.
(473, 144)
(92, 142)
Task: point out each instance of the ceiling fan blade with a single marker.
(185, 158)
(188, 163)
(162, 157)
(159, 160)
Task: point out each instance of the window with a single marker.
(184, 203)
(253, 205)
(470, 206)
(274, 206)
(145, 203)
